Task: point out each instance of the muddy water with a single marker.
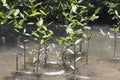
(8, 59)
(101, 65)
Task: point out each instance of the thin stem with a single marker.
(24, 54)
(87, 52)
(64, 55)
(38, 56)
(74, 60)
(115, 45)
(80, 47)
(46, 55)
(17, 62)
(64, 59)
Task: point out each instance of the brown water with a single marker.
(101, 65)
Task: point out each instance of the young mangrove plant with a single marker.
(21, 29)
(74, 42)
(116, 30)
(76, 19)
(74, 26)
(88, 36)
(65, 43)
(40, 32)
(42, 35)
(4, 10)
(114, 10)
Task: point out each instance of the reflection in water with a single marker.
(2, 41)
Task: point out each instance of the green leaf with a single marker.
(34, 60)
(36, 39)
(24, 31)
(78, 32)
(108, 34)
(85, 35)
(102, 32)
(78, 41)
(74, 8)
(2, 15)
(42, 41)
(69, 31)
(22, 21)
(79, 52)
(26, 13)
(65, 14)
(30, 23)
(40, 22)
(17, 11)
(93, 17)
(45, 36)
(116, 13)
(35, 34)
(77, 59)
(22, 15)
(97, 10)
(51, 32)
(35, 14)
(38, 4)
(17, 30)
(70, 51)
(33, 51)
(61, 41)
(87, 27)
(50, 23)
(43, 13)
(5, 4)
(11, 12)
(3, 22)
(68, 38)
(26, 40)
(3, 1)
(27, 34)
(80, 1)
(32, 6)
(44, 27)
(72, 67)
(116, 29)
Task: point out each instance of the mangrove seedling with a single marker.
(21, 29)
(65, 43)
(116, 30)
(42, 35)
(114, 10)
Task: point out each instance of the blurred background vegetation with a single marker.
(27, 13)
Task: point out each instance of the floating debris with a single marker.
(25, 72)
(54, 62)
(82, 77)
(55, 73)
(116, 58)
